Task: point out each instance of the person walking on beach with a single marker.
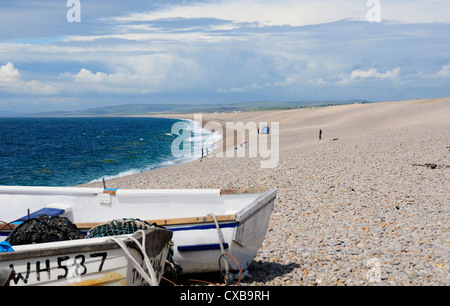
(320, 134)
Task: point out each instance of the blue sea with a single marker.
(74, 151)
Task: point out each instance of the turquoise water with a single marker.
(73, 151)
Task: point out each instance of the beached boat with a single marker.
(130, 260)
(206, 223)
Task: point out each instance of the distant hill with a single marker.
(11, 114)
(155, 109)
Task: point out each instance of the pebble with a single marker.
(344, 208)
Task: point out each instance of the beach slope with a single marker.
(367, 204)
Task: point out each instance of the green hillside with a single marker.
(156, 109)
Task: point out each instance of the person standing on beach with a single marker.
(320, 134)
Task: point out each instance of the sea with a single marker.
(74, 151)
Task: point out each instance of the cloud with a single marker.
(86, 76)
(263, 12)
(297, 13)
(418, 11)
(8, 74)
(10, 81)
(86, 82)
(444, 72)
(372, 73)
(211, 50)
(125, 73)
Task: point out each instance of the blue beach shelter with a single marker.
(265, 130)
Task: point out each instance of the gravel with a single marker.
(356, 211)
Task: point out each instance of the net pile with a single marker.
(44, 228)
(126, 226)
(118, 227)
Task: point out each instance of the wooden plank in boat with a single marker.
(243, 191)
(173, 221)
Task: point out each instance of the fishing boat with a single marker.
(207, 224)
(131, 260)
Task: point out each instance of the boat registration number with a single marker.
(58, 268)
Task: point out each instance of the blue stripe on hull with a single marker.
(201, 247)
(175, 229)
(203, 227)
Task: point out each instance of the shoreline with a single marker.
(347, 204)
(244, 117)
(167, 163)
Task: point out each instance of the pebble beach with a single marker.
(366, 205)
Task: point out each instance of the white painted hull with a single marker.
(242, 240)
(85, 262)
(196, 244)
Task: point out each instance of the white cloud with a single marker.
(86, 81)
(240, 47)
(87, 76)
(10, 81)
(372, 73)
(264, 12)
(300, 13)
(444, 72)
(418, 11)
(133, 74)
(8, 74)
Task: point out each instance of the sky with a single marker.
(77, 54)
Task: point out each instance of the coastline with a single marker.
(181, 160)
(313, 119)
(353, 198)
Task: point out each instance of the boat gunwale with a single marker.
(46, 190)
(93, 191)
(172, 221)
(267, 196)
(256, 205)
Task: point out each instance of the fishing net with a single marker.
(127, 226)
(44, 228)
(118, 227)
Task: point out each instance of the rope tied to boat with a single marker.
(149, 278)
(115, 229)
(222, 248)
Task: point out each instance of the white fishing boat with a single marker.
(206, 223)
(130, 260)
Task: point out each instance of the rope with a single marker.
(220, 267)
(210, 283)
(239, 266)
(151, 280)
(7, 225)
(10, 225)
(222, 249)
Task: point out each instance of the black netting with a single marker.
(117, 227)
(44, 228)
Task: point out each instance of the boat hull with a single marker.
(87, 262)
(242, 215)
(197, 248)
